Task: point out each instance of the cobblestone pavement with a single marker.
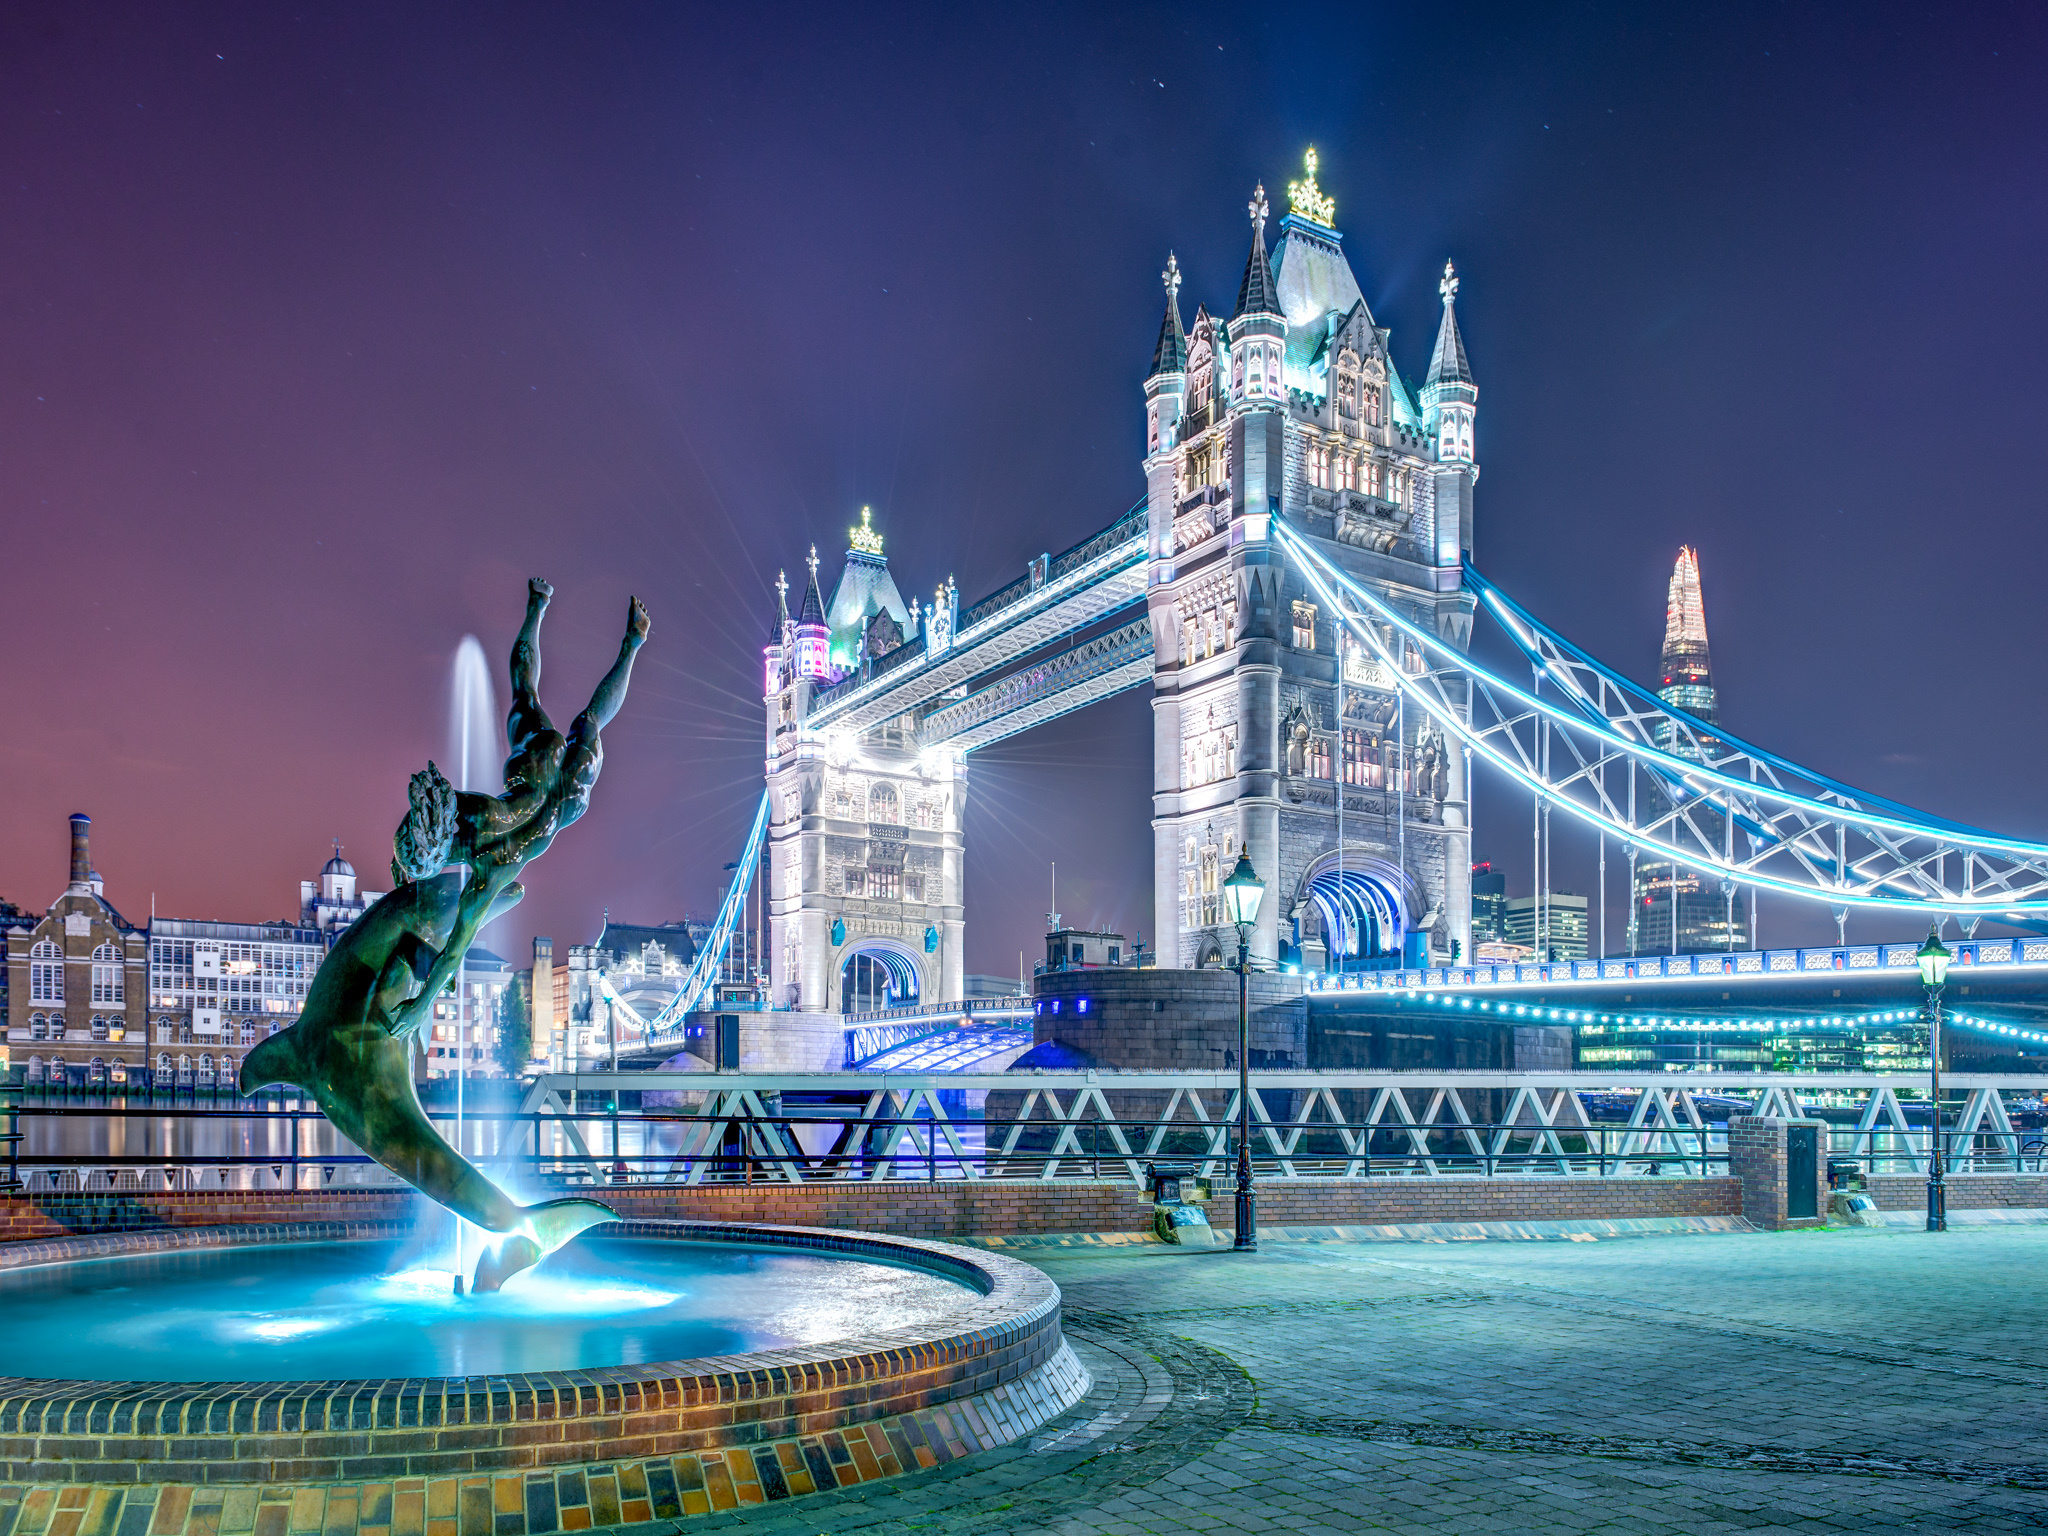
(1810, 1381)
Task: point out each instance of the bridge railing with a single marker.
(696, 1128)
(1739, 965)
(1130, 526)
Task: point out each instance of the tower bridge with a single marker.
(1284, 406)
(1296, 587)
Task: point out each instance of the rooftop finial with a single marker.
(1259, 209)
(1171, 277)
(782, 588)
(864, 540)
(1449, 286)
(1307, 198)
(813, 562)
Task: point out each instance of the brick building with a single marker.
(77, 983)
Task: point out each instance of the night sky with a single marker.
(323, 327)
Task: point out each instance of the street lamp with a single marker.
(1934, 959)
(1241, 895)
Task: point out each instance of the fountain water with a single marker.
(474, 753)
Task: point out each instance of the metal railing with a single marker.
(698, 1128)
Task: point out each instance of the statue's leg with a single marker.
(526, 718)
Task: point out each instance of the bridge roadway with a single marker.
(1059, 596)
(2011, 972)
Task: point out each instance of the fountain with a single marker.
(474, 751)
(696, 1360)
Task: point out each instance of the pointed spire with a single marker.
(781, 608)
(814, 602)
(1447, 363)
(1255, 294)
(1171, 355)
(1688, 674)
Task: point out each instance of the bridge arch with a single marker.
(1367, 905)
(876, 972)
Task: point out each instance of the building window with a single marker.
(45, 973)
(926, 818)
(163, 1061)
(99, 1029)
(38, 1027)
(1304, 626)
(106, 975)
(842, 805)
(883, 806)
(1319, 757)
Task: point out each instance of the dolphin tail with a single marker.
(275, 1060)
(547, 1225)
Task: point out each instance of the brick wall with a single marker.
(1162, 1020)
(944, 1210)
(1966, 1191)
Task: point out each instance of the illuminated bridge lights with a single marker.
(1598, 1023)
(1739, 968)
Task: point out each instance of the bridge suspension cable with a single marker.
(1616, 757)
(710, 961)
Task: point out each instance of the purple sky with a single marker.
(322, 328)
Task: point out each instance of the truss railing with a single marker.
(1617, 758)
(688, 1129)
(1051, 1126)
(975, 718)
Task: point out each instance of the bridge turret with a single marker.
(812, 635)
(1166, 384)
(1258, 330)
(1450, 400)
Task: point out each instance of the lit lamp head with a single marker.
(1242, 892)
(1934, 959)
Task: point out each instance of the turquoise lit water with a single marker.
(326, 1311)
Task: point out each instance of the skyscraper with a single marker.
(1489, 905)
(1673, 909)
(1688, 677)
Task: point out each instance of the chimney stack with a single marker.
(81, 850)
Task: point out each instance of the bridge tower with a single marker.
(1271, 731)
(864, 861)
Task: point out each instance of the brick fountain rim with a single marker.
(979, 1374)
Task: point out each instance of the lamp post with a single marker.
(1934, 959)
(1241, 894)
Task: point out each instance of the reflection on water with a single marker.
(194, 1133)
(352, 1310)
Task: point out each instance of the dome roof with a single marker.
(339, 866)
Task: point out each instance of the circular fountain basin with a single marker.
(703, 1354)
(321, 1311)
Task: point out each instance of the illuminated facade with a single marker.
(864, 847)
(77, 983)
(1673, 909)
(1687, 678)
(1272, 731)
(1564, 919)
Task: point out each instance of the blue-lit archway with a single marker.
(1364, 914)
(875, 973)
